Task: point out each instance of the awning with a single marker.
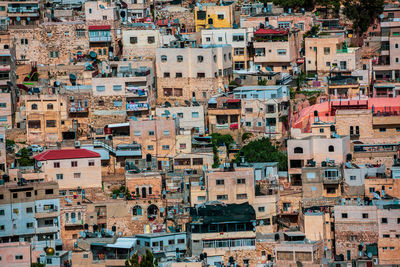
(126, 243)
(233, 101)
(8, 68)
(117, 125)
(99, 27)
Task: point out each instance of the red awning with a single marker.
(99, 27)
(233, 101)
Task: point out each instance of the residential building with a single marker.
(276, 49)
(326, 55)
(144, 185)
(16, 254)
(239, 40)
(3, 151)
(22, 13)
(71, 168)
(211, 15)
(192, 73)
(189, 118)
(171, 245)
(141, 42)
(221, 231)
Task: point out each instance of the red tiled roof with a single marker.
(99, 27)
(233, 101)
(271, 31)
(66, 154)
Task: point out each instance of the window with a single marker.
(100, 88)
(165, 147)
(382, 130)
(365, 215)
(179, 58)
(2, 227)
(2, 212)
(327, 50)
(15, 195)
(171, 242)
(181, 241)
(396, 46)
(24, 41)
(386, 236)
(222, 197)
(28, 194)
(201, 75)
(56, 164)
(51, 123)
(77, 175)
(281, 51)
(208, 39)
(220, 182)
(151, 133)
(29, 225)
(384, 220)
(80, 33)
(166, 74)
(298, 150)
(178, 92)
(238, 51)
(34, 106)
(220, 16)
(133, 40)
(19, 257)
(3, 105)
(74, 164)
(331, 149)
(59, 176)
(136, 133)
(353, 177)
(328, 64)
(241, 181)
(50, 106)
(321, 130)
(195, 115)
(91, 163)
(344, 215)
(150, 147)
(53, 54)
(372, 189)
(117, 103)
(261, 209)
(238, 37)
(104, 17)
(200, 59)
(398, 220)
(163, 58)
(182, 146)
(201, 198)
(241, 196)
(117, 87)
(101, 103)
(178, 75)
(151, 40)
(166, 132)
(49, 191)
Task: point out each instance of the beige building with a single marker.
(276, 49)
(45, 118)
(192, 73)
(141, 42)
(330, 54)
(188, 118)
(71, 168)
(6, 110)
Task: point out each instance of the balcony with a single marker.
(133, 91)
(46, 229)
(100, 39)
(332, 180)
(224, 126)
(78, 111)
(73, 222)
(139, 106)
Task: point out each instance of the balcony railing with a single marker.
(100, 39)
(137, 106)
(331, 180)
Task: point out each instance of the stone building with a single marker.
(192, 73)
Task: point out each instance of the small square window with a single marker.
(344, 215)
(56, 164)
(384, 220)
(365, 215)
(74, 164)
(150, 147)
(77, 175)
(91, 163)
(151, 133)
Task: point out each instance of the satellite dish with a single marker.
(101, 6)
(167, 104)
(376, 195)
(39, 164)
(153, 26)
(18, 18)
(381, 16)
(254, 223)
(369, 255)
(82, 234)
(166, 112)
(261, 222)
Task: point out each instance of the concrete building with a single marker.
(239, 40)
(211, 15)
(189, 118)
(141, 42)
(192, 73)
(144, 185)
(276, 49)
(16, 254)
(317, 149)
(71, 168)
(330, 54)
(354, 177)
(22, 14)
(170, 244)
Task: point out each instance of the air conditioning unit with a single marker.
(77, 144)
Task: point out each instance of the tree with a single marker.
(146, 260)
(362, 13)
(25, 159)
(38, 264)
(262, 150)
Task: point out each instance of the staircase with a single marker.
(104, 145)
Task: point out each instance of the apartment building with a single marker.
(224, 114)
(355, 176)
(189, 118)
(23, 13)
(239, 40)
(192, 73)
(264, 109)
(276, 49)
(33, 211)
(137, 10)
(3, 151)
(389, 234)
(157, 138)
(171, 244)
(16, 254)
(141, 42)
(328, 54)
(318, 149)
(221, 231)
(211, 15)
(46, 117)
(71, 168)
(144, 185)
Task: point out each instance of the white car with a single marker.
(35, 148)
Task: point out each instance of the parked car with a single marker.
(35, 148)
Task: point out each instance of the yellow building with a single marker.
(214, 16)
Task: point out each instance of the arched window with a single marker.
(298, 150)
(179, 58)
(331, 149)
(34, 107)
(200, 58)
(357, 130)
(210, 21)
(163, 58)
(137, 211)
(50, 106)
